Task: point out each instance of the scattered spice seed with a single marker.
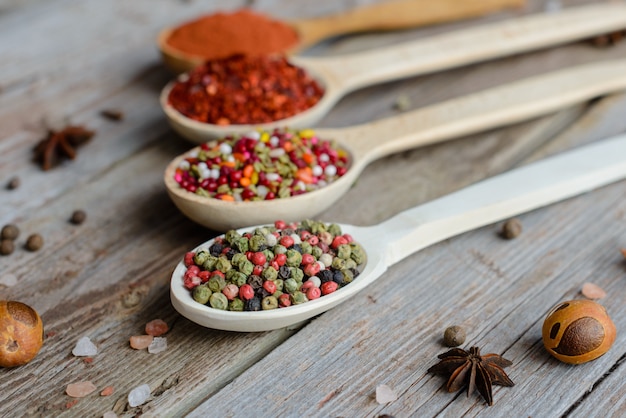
(80, 389)
(244, 89)
(107, 391)
(262, 165)
(225, 269)
(608, 39)
(384, 394)
(402, 103)
(14, 183)
(71, 403)
(6, 247)
(60, 144)
(34, 242)
(139, 342)
(10, 232)
(113, 114)
(156, 327)
(592, 291)
(454, 336)
(511, 229)
(78, 217)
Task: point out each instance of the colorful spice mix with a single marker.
(262, 166)
(273, 266)
(221, 35)
(244, 90)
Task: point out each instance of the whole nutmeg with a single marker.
(578, 331)
(21, 333)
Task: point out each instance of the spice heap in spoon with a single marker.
(273, 267)
(262, 166)
(243, 89)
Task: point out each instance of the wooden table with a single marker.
(66, 60)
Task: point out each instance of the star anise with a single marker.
(469, 368)
(60, 144)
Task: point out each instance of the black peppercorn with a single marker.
(255, 281)
(34, 242)
(230, 253)
(284, 273)
(338, 277)
(253, 304)
(297, 247)
(325, 276)
(78, 217)
(10, 231)
(216, 249)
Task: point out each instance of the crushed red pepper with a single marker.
(244, 90)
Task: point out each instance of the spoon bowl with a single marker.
(340, 75)
(507, 104)
(492, 200)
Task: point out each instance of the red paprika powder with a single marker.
(244, 90)
(220, 35)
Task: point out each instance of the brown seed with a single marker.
(10, 231)
(14, 183)
(78, 217)
(592, 291)
(34, 242)
(454, 336)
(6, 247)
(511, 229)
(113, 114)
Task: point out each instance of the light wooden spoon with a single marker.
(388, 15)
(342, 74)
(489, 201)
(473, 113)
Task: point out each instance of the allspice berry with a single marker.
(454, 336)
(34, 242)
(21, 333)
(9, 231)
(6, 247)
(511, 229)
(78, 217)
(578, 331)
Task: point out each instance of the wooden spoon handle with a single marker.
(395, 14)
(471, 45)
(498, 106)
(503, 196)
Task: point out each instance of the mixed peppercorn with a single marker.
(273, 266)
(262, 165)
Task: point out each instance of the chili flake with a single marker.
(244, 90)
(284, 278)
(262, 165)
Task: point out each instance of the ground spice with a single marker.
(244, 90)
(221, 35)
(262, 165)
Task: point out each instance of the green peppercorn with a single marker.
(269, 273)
(338, 263)
(268, 254)
(297, 274)
(279, 249)
(279, 284)
(242, 244)
(246, 267)
(317, 252)
(318, 228)
(348, 276)
(350, 264)
(232, 236)
(237, 259)
(236, 305)
(294, 258)
(216, 283)
(344, 251)
(34, 242)
(202, 293)
(218, 301)
(335, 230)
(209, 264)
(201, 256)
(257, 242)
(298, 297)
(290, 286)
(239, 278)
(269, 302)
(277, 294)
(358, 254)
(10, 231)
(223, 264)
(306, 248)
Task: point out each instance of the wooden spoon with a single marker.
(473, 113)
(397, 14)
(342, 74)
(489, 201)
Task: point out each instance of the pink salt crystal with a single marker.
(107, 391)
(109, 414)
(139, 342)
(156, 327)
(384, 394)
(592, 291)
(80, 389)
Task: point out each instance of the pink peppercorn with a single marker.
(258, 258)
(307, 259)
(313, 293)
(284, 300)
(307, 285)
(280, 224)
(246, 292)
(192, 271)
(286, 241)
(337, 241)
(313, 240)
(312, 269)
(281, 259)
(348, 238)
(204, 276)
(329, 287)
(274, 265)
(257, 270)
(269, 286)
(218, 273)
(188, 260)
(230, 291)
